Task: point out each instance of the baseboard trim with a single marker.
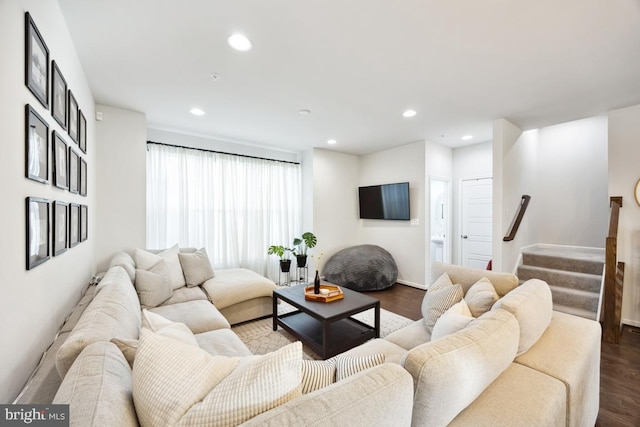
(630, 322)
(412, 284)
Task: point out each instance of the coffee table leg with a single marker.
(325, 339)
(275, 312)
(377, 319)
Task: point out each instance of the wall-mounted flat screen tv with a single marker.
(387, 201)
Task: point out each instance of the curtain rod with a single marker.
(223, 152)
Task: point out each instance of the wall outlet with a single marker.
(415, 221)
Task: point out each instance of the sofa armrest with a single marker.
(382, 395)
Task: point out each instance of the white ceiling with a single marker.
(357, 65)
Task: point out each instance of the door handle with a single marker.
(464, 236)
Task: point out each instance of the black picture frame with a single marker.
(72, 117)
(58, 96)
(37, 235)
(74, 224)
(84, 222)
(83, 177)
(74, 171)
(36, 62)
(60, 227)
(82, 130)
(59, 150)
(36, 146)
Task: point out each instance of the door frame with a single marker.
(460, 206)
(447, 244)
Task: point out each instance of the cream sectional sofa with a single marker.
(98, 380)
(519, 364)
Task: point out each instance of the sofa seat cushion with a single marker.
(392, 352)
(178, 384)
(531, 304)
(502, 282)
(97, 388)
(234, 285)
(199, 316)
(222, 342)
(569, 350)
(411, 335)
(185, 294)
(545, 405)
(453, 371)
(113, 312)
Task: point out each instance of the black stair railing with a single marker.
(517, 219)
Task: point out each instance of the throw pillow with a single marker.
(317, 374)
(175, 383)
(480, 297)
(167, 328)
(153, 285)
(454, 319)
(347, 366)
(196, 267)
(145, 260)
(441, 296)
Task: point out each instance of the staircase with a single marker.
(573, 274)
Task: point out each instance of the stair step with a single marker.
(582, 260)
(575, 298)
(568, 279)
(591, 315)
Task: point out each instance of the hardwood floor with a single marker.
(619, 364)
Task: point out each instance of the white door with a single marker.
(476, 218)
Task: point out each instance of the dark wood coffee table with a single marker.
(326, 328)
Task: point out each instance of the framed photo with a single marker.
(36, 62)
(60, 222)
(82, 129)
(84, 222)
(37, 146)
(60, 169)
(74, 164)
(58, 96)
(83, 177)
(72, 116)
(37, 231)
(74, 224)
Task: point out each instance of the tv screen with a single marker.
(387, 201)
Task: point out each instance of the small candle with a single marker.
(324, 291)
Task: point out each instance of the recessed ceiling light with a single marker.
(197, 112)
(409, 113)
(331, 141)
(304, 112)
(467, 137)
(239, 42)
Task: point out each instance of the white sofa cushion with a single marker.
(145, 260)
(441, 296)
(480, 297)
(175, 383)
(199, 315)
(531, 303)
(196, 267)
(454, 319)
(502, 282)
(235, 285)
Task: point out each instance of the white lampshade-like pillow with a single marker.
(454, 319)
(480, 297)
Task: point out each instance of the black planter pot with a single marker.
(301, 260)
(285, 265)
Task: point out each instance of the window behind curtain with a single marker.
(235, 207)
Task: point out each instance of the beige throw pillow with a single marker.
(347, 366)
(175, 383)
(454, 319)
(317, 374)
(196, 267)
(145, 260)
(480, 297)
(441, 296)
(153, 285)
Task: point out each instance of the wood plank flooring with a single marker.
(619, 364)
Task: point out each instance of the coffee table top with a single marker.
(353, 302)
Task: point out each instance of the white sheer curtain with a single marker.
(234, 206)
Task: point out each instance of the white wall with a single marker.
(624, 152)
(405, 242)
(35, 303)
(335, 202)
(121, 182)
(469, 162)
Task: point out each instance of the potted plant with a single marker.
(307, 241)
(281, 252)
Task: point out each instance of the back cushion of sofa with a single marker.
(532, 305)
(502, 282)
(453, 371)
(113, 313)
